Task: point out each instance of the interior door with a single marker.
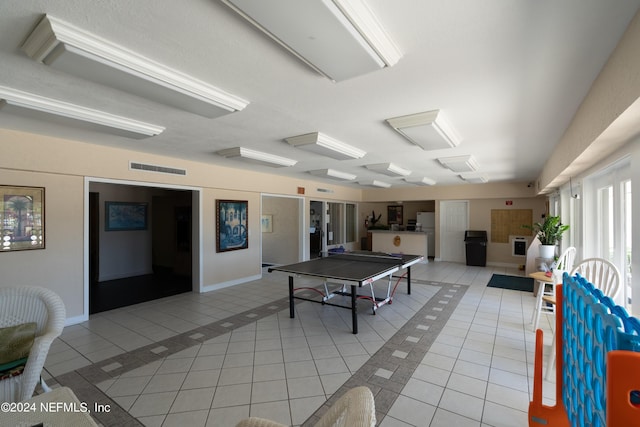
(454, 220)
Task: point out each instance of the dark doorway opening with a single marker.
(168, 255)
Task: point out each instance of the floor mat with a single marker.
(515, 283)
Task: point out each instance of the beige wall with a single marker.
(60, 266)
(225, 268)
(480, 219)
(282, 245)
(451, 192)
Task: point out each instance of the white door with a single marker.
(454, 220)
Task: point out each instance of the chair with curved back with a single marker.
(603, 274)
(23, 306)
(547, 287)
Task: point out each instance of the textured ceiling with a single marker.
(508, 74)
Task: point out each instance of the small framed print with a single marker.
(267, 223)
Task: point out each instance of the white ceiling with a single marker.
(508, 74)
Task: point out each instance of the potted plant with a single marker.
(373, 222)
(549, 233)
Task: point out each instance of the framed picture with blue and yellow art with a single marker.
(231, 225)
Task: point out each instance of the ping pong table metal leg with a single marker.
(409, 280)
(354, 312)
(292, 313)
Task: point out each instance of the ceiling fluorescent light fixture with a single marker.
(389, 169)
(339, 39)
(320, 143)
(258, 157)
(459, 163)
(428, 130)
(33, 106)
(333, 174)
(375, 183)
(420, 181)
(473, 178)
(70, 49)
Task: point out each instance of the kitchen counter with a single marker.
(406, 242)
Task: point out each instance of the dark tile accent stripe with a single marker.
(386, 391)
(89, 393)
(424, 326)
(82, 381)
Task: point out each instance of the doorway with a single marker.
(454, 220)
(128, 267)
(316, 229)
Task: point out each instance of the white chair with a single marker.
(356, 408)
(547, 287)
(19, 305)
(599, 272)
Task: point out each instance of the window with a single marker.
(341, 223)
(626, 230)
(608, 228)
(350, 222)
(335, 222)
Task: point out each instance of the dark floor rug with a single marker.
(515, 283)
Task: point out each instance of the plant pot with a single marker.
(547, 251)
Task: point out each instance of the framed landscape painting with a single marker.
(125, 216)
(231, 225)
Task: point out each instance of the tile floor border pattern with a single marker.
(82, 381)
(399, 356)
(390, 368)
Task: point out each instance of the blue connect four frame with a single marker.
(593, 326)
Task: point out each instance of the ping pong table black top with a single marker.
(354, 268)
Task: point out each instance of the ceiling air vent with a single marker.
(155, 168)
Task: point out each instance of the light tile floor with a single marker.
(454, 352)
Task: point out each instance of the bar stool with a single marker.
(546, 285)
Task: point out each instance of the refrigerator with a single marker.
(428, 222)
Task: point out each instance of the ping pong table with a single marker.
(354, 269)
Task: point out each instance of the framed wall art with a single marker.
(394, 213)
(267, 223)
(125, 216)
(231, 225)
(22, 225)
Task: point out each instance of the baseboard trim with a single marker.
(216, 286)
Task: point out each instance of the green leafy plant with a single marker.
(373, 221)
(550, 231)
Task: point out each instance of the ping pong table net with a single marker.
(366, 256)
(598, 362)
